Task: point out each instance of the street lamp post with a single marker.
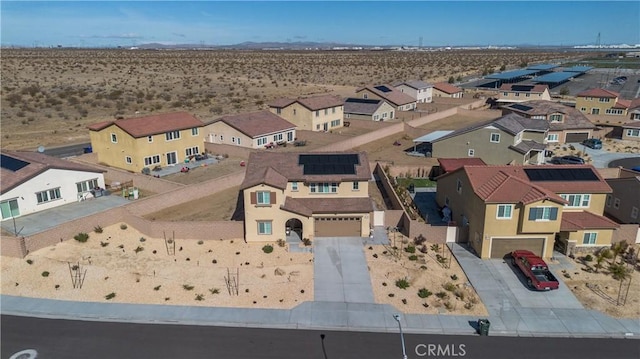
(404, 352)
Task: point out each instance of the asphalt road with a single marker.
(67, 339)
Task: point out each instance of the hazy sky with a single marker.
(129, 23)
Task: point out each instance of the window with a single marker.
(335, 123)
(333, 110)
(277, 137)
(290, 136)
(583, 109)
(294, 186)
(85, 186)
(262, 141)
(614, 111)
(326, 111)
(221, 138)
(263, 197)
(114, 138)
(149, 139)
(543, 214)
(604, 99)
(555, 118)
(264, 227)
(576, 200)
(504, 211)
(323, 187)
(48, 195)
(589, 238)
(195, 131)
(239, 140)
(527, 95)
(233, 140)
(505, 94)
(192, 151)
(609, 198)
(552, 137)
(365, 96)
(317, 113)
(318, 127)
(517, 94)
(278, 111)
(634, 212)
(128, 160)
(495, 138)
(391, 114)
(588, 98)
(633, 133)
(375, 117)
(616, 203)
(173, 135)
(459, 186)
(471, 152)
(294, 112)
(9, 208)
(539, 117)
(151, 160)
(355, 186)
(384, 115)
(595, 111)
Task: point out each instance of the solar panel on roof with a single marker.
(11, 163)
(560, 174)
(522, 87)
(383, 88)
(329, 164)
(520, 107)
(555, 77)
(361, 100)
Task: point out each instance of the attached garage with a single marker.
(338, 227)
(503, 246)
(576, 136)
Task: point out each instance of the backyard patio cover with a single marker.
(431, 136)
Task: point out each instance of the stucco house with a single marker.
(32, 182)
(306, 194)
(510, 139)
(504, 208)
(251, 130)
(602, 102)
(400, 101)
(566, 124)
(138, 143)
(368, 109)
(444, 89)
(316, 113)
(509, 93)
(631, 131)
(421, 91)
(623, 203)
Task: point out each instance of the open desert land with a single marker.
(49, 96)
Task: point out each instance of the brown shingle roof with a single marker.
(308, 206)
(313, 103)
(38, 163)
(151, 125)
(598, 93)
(256, 124)
(393, 96)
(573, 118)
(574, 221)
(276, 168)
(512, 123)
(446, 88)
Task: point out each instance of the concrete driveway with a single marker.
(601, 158)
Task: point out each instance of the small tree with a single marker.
(503, 67)
(452, 80)
(617, 249)
(564, 91)
(602, 254)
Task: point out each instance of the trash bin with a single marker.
(483, 327)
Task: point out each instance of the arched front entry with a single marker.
(294, 226)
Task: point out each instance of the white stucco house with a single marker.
(32, 182)
(419, 90)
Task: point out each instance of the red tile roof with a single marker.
(574, 221)
(452, 164)
(256, 124)
(598, 93)
(622, 103)
(313, 103)
(152, 125)
(446, 88)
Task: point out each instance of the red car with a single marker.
(538, 275)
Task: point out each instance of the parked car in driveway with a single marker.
(538, 275)
(594, 143)
(568, 160)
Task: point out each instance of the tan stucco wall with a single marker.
(603, 238)
(217, 129)
(582, 102)
(345, 190)
(373, 96)
(527, 226)
(306, 119)
(627, 137)
(596, 204)
(522, 96)
(626, 191)
(438, 93)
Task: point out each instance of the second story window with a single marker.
(504, 211)
(555, 118)
(495, 137)
(263, 197)
(576, 200)
(356, 186)
(149, 139)
(279, 111)
(317, 113)
(604, 99)
(114, 138)
(173, 135)
(459, 186)
(323, 187)
(294, 186)
(195, 131)
(543, 214)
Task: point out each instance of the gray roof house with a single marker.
(368, 109)
(419, 90)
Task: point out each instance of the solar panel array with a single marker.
(522, 88)
(329, 164)
(578, 69)
(520, 107)
(383, 88)
(555, 77)
(361, 100)
(11, 163)
(509, 75)
(560, 174)
(541, 67)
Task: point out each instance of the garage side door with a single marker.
(503, 246)
(337, 227)
(576, 136)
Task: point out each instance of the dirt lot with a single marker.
(220, 206)
(205, 173)
(48, 96)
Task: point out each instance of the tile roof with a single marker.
(622, 103)
(361, 106)
(524, 88)
(633, 124)
(394, 96)
(416, 84)
(574, 221)
(446, 87)
(598, 92)
(151, 125)
(38, 163)
(573, 118)
(452, 164)
(308, 206)
(527, 145)
(313, 103)
(635, 103)
(256, 124)
(512, 123)
(277, 168)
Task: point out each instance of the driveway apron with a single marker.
(340, 271)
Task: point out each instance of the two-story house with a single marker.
(510, 139)
(444, 89)
(316, 113)
(623, 203)
(631, 131)
(400, 101)
(251, 130)
(421, 91)
(31, 182)
(602, 102)
(368, 109)
(309, 194)
(505, 208)
(566, 124)
(134, 144)
(510, 93)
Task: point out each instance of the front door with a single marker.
(10, 208)
(172, 158)
(326, 126)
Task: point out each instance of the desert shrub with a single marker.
(435, 247)
(81, 237)
(200, 242)
(267, 248)
(98, 229)
(123, 226)
(449, 287)
(45, 274)
(454, 277)
(448, 305)
(419, 240)
(413, 257)
(110, 296)
(104, 244)
(142, 239)
(187, 287)
(214, 291)
(391, 295)
(199, 297)
(410, 249)
(157, 288)
(281, 242)
(442, 295)
(588, 258)
(29, 261)
(424, 293)
(468, 305)
(306, 241)
(402, 283)
(138, 249)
